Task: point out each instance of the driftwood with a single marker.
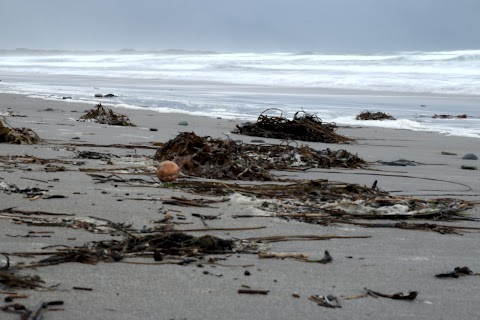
(303, 126)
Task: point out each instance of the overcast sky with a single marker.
(241, 25)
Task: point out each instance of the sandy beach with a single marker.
(386, 260)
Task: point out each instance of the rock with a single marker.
(183, 123)
(109, 95)
(153, 129)
(257, 141)
(469, 168)
(168, 171)
(470, 156)
(98, 95)
(65, 98)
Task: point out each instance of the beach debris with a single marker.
(399, 162)
(29, 191)
(457, 272)
(95, 155)
(448, 116)
(448, 153)
(198, 202)
(464, 167)
(10, 280)
(35, 314)
(12, 135)
(172, 247)
(300, 257)
(183, 123)
(304, 126)
(226, 159)
(367, 115)
(252, 291)
(12, 114)
(108, 95)
(327, 202)
(82, 288)
(396, 296)
(470, 156)
(329, 301)
(273, 255)
(167, 171)
(104, 115)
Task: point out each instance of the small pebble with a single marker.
(295, 295)
(153, 129)
(470, 156)
(183, 123)
(469, 168)
(247, 273)
(258, 141)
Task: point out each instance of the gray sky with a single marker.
(241, 25)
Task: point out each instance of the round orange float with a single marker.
(167, 171)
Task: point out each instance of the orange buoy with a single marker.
(168, 171)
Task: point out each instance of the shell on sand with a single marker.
(168, 171)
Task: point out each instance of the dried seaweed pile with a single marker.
(10, 280)
(367, 115)
(103, 115)
(169, 247)
(303, 126)
(449, 116)
(211, 158)
(324, 202)
(225, 159)
(280, 157)
(17, 135)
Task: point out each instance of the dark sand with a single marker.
(392, 260)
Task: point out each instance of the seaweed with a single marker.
(12, 135)
(449, 116)
(226, 159)
(104, 115)
(303, 126)
(367, 115)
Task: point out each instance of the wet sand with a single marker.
(390, 261)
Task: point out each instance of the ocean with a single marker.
(411, 86)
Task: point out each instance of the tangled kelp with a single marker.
(449, 116)
(103, 115)
(172, 247)
(211, 158)
(303, 126)
(325, 202)
(225, 159)
(367, 115)
(17, 135)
